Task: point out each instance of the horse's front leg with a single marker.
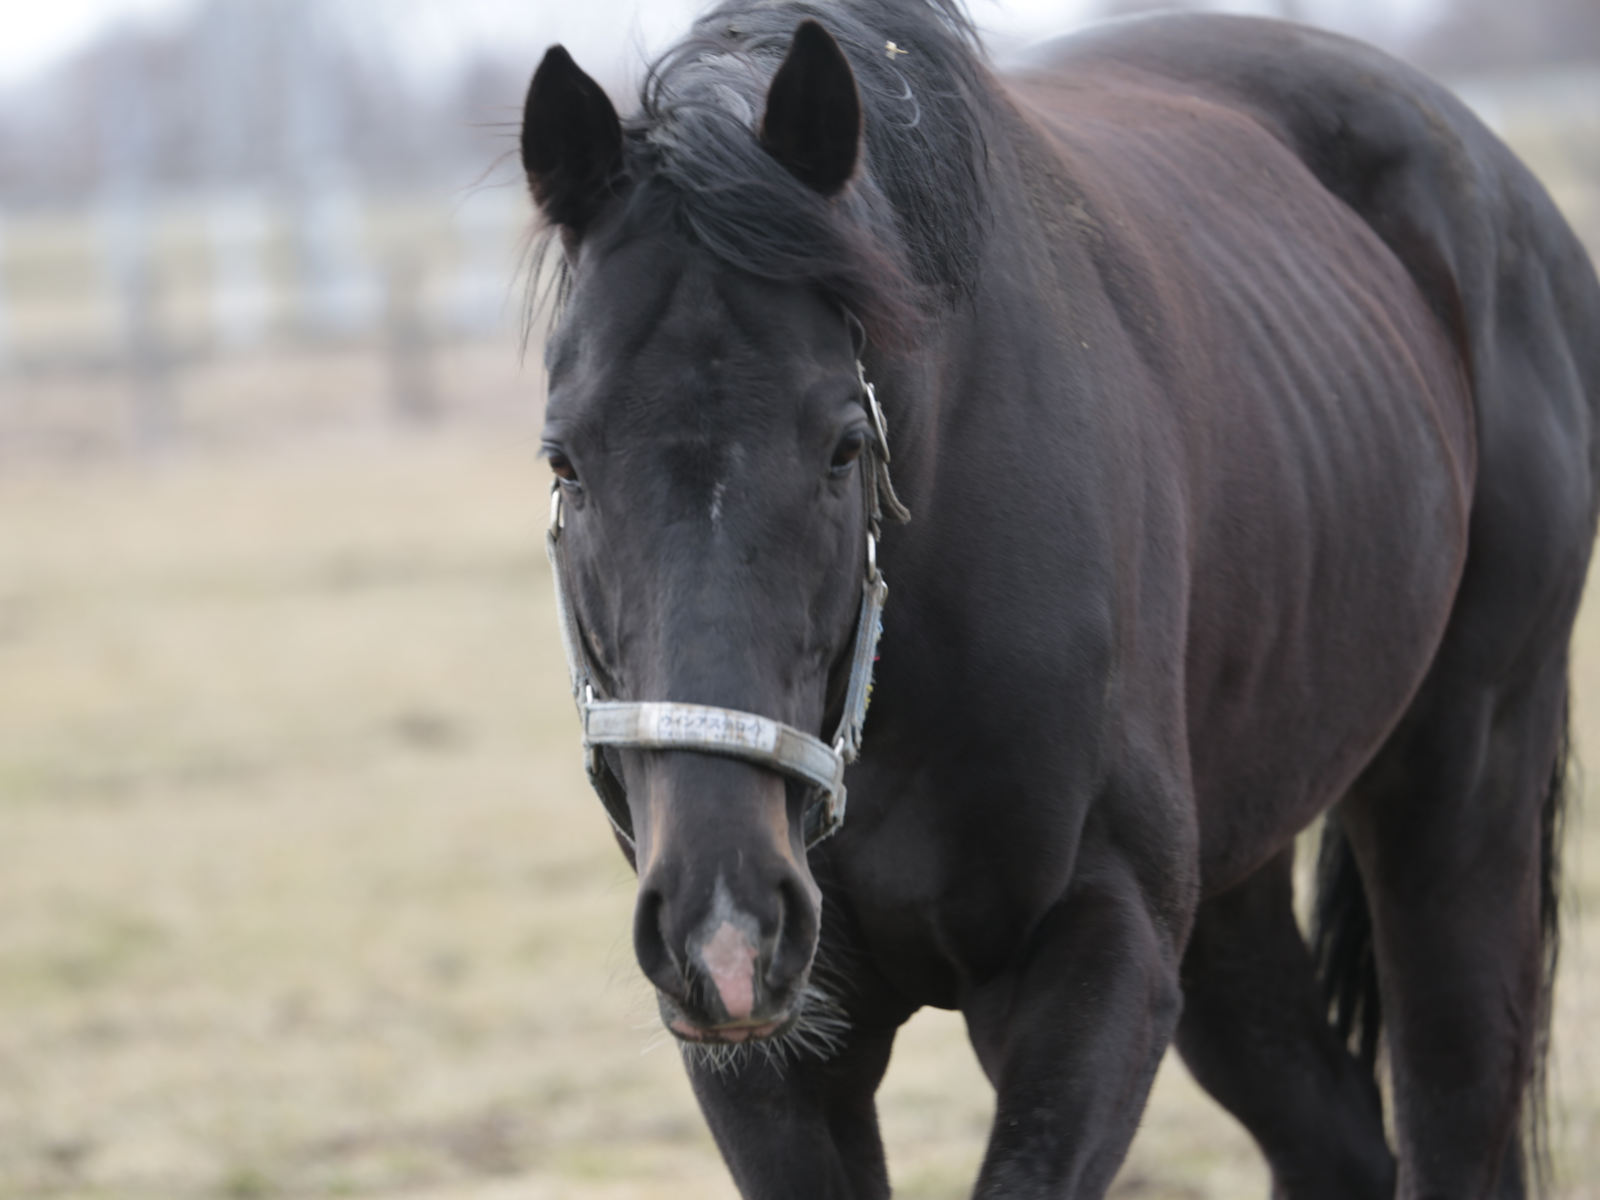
(805, 1129)
(1072, 1036)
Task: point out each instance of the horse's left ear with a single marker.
(571, 143)
(813, 120)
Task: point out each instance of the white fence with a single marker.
(139, 291)
(137, 294)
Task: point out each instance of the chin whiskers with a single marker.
(652, 1044)
(818, 1031)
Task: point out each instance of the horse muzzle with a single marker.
(734, 975)
(726, 924)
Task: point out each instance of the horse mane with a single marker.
(904, 237)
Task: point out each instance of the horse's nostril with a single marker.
(650, 943)
(788, 954)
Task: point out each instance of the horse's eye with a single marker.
(561, 465)
(847, 451)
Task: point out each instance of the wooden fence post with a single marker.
(126, 127)
(236, 229)
(5, 331)
(483, 222)
(136, 287)
(407, 345)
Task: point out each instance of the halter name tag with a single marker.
(682, 724)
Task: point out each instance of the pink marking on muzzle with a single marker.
(730, 960)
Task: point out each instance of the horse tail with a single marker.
(1341, 944)
(1552, 823)
(1347, 967)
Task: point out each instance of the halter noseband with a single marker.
(667, 725)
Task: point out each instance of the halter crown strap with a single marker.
(668, 725)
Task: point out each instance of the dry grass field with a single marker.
(302, 893)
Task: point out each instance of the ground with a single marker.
(304, 893)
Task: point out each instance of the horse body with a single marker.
(1219, 527)
(1252, 469)
(1312, 415)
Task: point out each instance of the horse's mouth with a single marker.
(731, 1033)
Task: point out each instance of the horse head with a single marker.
(715, 455)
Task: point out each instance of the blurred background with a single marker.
(301, 890)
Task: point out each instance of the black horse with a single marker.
(1241, 388)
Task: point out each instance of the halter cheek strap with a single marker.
(705, 729)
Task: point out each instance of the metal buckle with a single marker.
(832, 818)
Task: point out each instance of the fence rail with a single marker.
(133, 295)
(140, 320)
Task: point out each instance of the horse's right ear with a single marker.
(571, 143)
(813, 119)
